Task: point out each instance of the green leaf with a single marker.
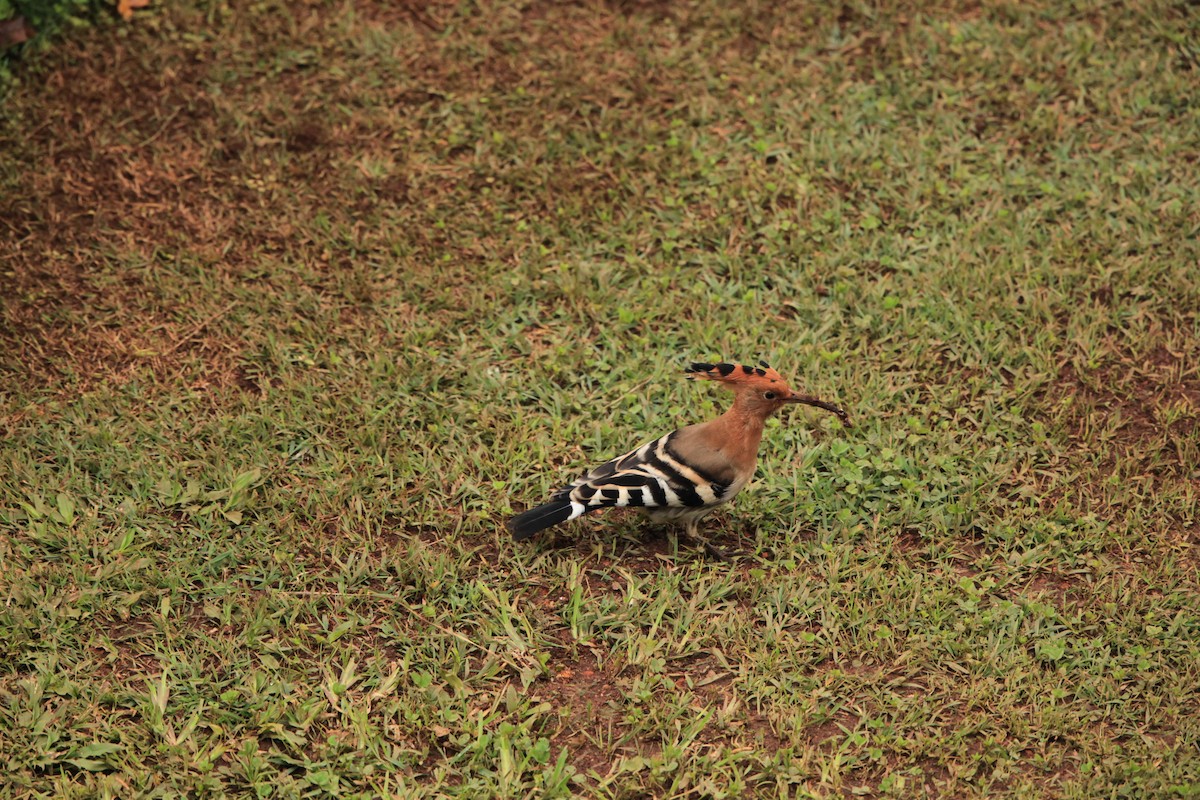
(66, 508)
(323, 779)
(126, 541)
(98, 749)
(540, 752)
(245, 480)
(1051, 650)
(340, 630)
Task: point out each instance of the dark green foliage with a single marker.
(49, 19)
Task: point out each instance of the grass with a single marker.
(302, 300)
(43, 22)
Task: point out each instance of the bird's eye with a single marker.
(769, 396)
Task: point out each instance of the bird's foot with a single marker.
(709, 548)
(717, 552)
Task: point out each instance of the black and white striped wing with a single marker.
(653, 476)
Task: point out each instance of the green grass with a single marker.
(302, 300)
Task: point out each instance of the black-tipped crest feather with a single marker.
(724, 369)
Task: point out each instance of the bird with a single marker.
(687, 474)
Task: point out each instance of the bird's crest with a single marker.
(735, 374)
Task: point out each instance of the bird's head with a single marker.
(761, 389)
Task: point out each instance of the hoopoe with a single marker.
(685, 475)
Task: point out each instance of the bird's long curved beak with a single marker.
(809, 400)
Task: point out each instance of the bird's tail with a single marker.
(535, 519)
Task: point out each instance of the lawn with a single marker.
(301, 300)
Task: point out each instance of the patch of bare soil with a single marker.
(589, 700)
(1134, 421)
(117, 166)
(1055, 584)
(828, 733)
(127, 651)
(139, 186)
(1149, 398)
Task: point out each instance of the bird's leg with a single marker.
(716, 552)
(709, 547)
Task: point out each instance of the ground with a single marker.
(302, 300)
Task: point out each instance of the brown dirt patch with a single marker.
(909, 541)
(831, 731)
(128, 652)
(1055, 584)
(965, 558)
(1133, 424)
(127, 174)
(764, 732)
(1135, 399)
(587, 696)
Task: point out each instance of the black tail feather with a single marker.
(535, 519)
